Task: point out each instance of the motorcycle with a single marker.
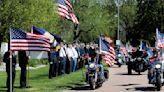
(128, 58)
(93, 75)
(156, 74)
(119, 59)
(138, 64)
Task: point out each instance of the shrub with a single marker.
(34, 62)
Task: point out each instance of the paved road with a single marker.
(119, 81)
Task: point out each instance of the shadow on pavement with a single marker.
(128, 84)
(84, 87)
(129, 74)
(142, 89)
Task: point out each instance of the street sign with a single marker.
(118, 42)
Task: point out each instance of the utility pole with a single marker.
(118, 4)
(118, 13)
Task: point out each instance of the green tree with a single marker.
(127, 17)
(94, 20)
(25, 13)
(149, 17)
(98, 17)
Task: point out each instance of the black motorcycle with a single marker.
(156, 74)
(137, 63)
(93, 75)
(119, 59)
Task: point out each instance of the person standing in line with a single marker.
(75, 57)
(67, 70)
(23, 61)
(51, 57)
(87, 58)
(56, 60)
(77, 47)
(6, 59)
(62, 56)
(51, 65)
(82, 54)
(70, 57)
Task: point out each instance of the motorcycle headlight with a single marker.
(86, 66)
(139, 59)
(119, 55)
(92, 65)
(157, 66)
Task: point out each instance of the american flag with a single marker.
(20, 40)
(68, 3)
(143, 46)
(65, 10)
(160, 39)
(108, 51)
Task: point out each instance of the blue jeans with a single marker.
(74, 64)
(101, 71)
(70, 65)
(151, 69)
(63, 65)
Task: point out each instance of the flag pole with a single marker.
(10, 56)
(156, 38)
(28, 71)
(99, 45)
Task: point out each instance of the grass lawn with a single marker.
(39, 82)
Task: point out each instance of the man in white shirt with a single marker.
(62, 56)
(70, 57)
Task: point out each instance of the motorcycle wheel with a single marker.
(129, 69)
(92, 83)
(158, 84)
(119, 65)
(99, 85)
(139, 69)
(139, 73)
